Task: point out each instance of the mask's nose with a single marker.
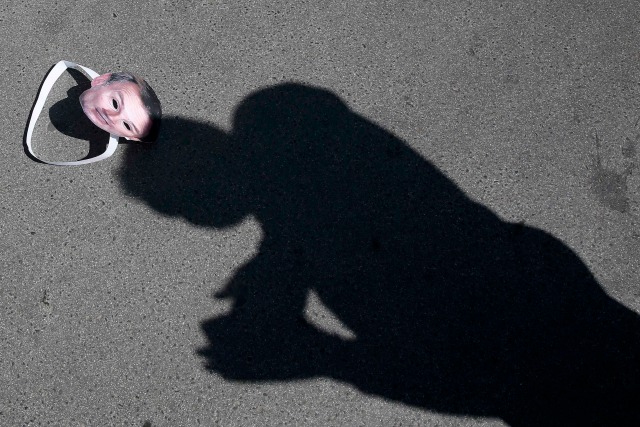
(112, 116)
(111, 111)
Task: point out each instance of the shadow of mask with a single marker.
(68, 117)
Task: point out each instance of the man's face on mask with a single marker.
(116, 107)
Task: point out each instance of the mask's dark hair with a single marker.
(149, 100)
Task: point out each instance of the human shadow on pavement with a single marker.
(453, 309)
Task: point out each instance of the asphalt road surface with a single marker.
(358, 213)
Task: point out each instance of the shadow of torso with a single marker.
(453, 309)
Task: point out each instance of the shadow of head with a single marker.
(453, 309)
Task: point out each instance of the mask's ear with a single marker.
(100, 80)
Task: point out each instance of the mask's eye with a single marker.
(126, 125)
(115, 103)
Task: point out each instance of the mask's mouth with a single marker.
(97, 117)
(93, 113)
(87, 112)
(102, 116)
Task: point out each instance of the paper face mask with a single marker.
(113, 103)
(116, 107)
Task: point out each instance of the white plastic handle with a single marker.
(48, 83)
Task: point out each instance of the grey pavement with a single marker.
(490, 148)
